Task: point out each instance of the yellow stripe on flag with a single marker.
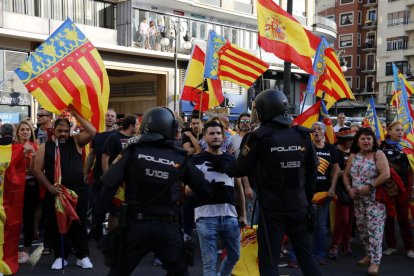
(236, 73)
(78, 82)
(104, 92)
(46, 103)
(5, 159)
(243, 66)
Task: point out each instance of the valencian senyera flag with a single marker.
(398, 80)
(227, 61)
(65, 202)
(373, 120)
(195, 85)
(67, 69)
(281, 34)
(12, 179)
(329, 82)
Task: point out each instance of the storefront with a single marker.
(15, 107)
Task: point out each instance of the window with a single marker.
(358, 61)
(397, 43)
(370, 40)
(349, 81)
(331, 17)
(359, 17)
(372, 15)
(358, 39)
(347, 18)
(358, 82)
(345, 41)
(348, 61)
(346, 2)
(398, 18)
(401, 65)
(369, 84)
(370, 62)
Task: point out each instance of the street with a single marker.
(397, 265)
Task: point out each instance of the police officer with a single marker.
(285, 168)
(151, 168)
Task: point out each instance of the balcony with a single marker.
(369, 25)
(323, 26)
(370, 3)
(368, 69)
(369, 46)
(368, 91)
(409, 51)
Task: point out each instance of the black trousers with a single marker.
(164, 239)
(76, 237)
(31, 200)
(270, 242)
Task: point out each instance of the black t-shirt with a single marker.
(327, 157)
(6, 140)
(398, 160)
(342, 159)
(114, 145)
(98, 143)
(186, 139)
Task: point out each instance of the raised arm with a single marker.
(89, 132)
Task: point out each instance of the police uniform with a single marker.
(151, 169)
(285, 169)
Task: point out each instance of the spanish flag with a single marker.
(12, 179)
(194, 84)
(66, 70)
(309, 117)
(281, 34)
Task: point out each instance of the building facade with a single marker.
(143, 71)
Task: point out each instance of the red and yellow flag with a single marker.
(331, 85)
(65, 70)
(281, 34)
(12, 179)
(194, 84)
(309, 117)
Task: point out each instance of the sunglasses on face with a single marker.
(244, 121)
(42, 115)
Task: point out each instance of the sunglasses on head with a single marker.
(42, 115)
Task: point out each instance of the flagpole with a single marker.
(304, 101)
(287, 65)
(262, 77)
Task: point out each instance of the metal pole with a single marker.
(175, 67)
(287, 65)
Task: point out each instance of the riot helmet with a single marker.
(272, 105)
(159, 121)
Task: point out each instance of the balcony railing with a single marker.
(370, 24)
(325, 23)
(368, 69)
(369, 46)
(370, 3)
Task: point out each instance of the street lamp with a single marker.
(176, 27)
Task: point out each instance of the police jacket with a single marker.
(152, 172)
(284, 161)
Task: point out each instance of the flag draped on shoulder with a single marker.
(227, 61)
(67, 69)
(329, 82)
(373, 120)
(281, 34)
(194, 84)
(12, 185)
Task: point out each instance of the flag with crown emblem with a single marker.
(66, 70)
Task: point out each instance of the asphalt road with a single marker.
(397, 265)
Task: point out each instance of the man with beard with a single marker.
(216, 215)
(70, 148)
(95, 159)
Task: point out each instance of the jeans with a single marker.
(209, 229)
(319, 236)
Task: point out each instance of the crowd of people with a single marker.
(361, 185)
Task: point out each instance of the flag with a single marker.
(65, 202)
(193, 84)
(319, 66)
(324, 117)
(12, 181)
(331, 84)
(309, 117)
(403, 110)
(66, 70)
(373, 120)
(398, 77)
(227, 61)
(281, 34)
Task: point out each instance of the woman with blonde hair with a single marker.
(25, 136)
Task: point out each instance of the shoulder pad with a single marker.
(303, 129)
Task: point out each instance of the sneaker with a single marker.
(157, 262)
(280, 265)
(390, 251)
(293, 264)
(410, 254)
(57, 264)
(333, 253)
(23, 257)
(84, 263)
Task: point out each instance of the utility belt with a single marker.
(150, 217)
